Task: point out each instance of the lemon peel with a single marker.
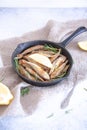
(83, 45)
(5, 95)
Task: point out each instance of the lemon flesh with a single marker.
(41, 59)
(5, 95)
(83, 45)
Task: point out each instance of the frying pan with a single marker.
(22, 46)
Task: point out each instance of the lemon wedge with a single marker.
(83, 45)
(5, 95)
(41, 59)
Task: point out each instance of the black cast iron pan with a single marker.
(21, 47)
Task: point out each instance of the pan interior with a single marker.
(21, 47)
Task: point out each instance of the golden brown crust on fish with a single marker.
(36, 68)
(29, 50)
(57, 63)
(58, 70)
(25, 73)
(38, 63)
(54, 57)
(32, 72)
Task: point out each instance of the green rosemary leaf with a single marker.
(51, 48)
(67, 111)
(62, 75)
(24, 91)
(16, 63)
(50, 115)
(85, 89)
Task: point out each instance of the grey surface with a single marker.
(16, 21)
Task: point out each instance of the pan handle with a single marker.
(73, 35)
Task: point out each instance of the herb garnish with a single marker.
(50, 115)
(85, 89)
(16, 63)
(51, 48)
(62, 75)
(67, 111)
(24, 91)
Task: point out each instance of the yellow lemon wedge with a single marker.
(83, 45)
(41, 59)
(5, 95)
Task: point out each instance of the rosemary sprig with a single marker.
(51, 48)
(24, 91)
(62, 75)
(16, 63)
(68, 111)
(85, 89)
(50, 115)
